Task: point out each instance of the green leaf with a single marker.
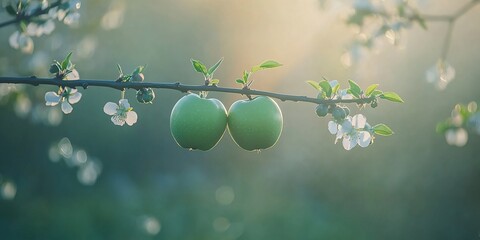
(391, 96)
(382, 130)
(401, 10)
(199, 67)
(23, 25)
(421, 22)
(246, 75)
(265, 65)
(359, 16)
(66, 61)
(240, 81)
(327, 89)
(335, 89)
(138, 70)
(19, 6)
(376, 93)
(214, 67)
(120, 71)
(442, 127)
(10, 10)
(314, 85)
(214, 82)
(270, 64)
(355, 90)
(463, 111)
(370, 89)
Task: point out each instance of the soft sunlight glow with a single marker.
(151, 225)
(221, 224)
(225, 195)
(8, 190)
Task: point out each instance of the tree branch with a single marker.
(465, 8)
(173, 86)
(27, 17)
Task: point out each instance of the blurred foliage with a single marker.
(411, 186)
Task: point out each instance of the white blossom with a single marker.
(353, 130)
(72, 19)
(457, 137)
(34, 29)
(341, 93)
(73, 75)
(66, 97)
(441, 74)
(121, 113)
(21, 41)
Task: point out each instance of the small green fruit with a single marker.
(374, 104)
(322, 110)
(137, 77)
(255, 124)
(198, 123)
(339, 113)
(145, 95)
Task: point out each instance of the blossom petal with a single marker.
(358, 121)
(34, 30)
(332, 127)
(52, 98)
(61, 14)
(73, 75)
(52, 13)
(347, 96)
(342, 94)
(364, 138)
(333, 83)
(13, 40)
(25, 43)
(123, 103)
(339, 136)
(74, 97)
(48, 27)
(117, 120)
(346, 126)
(110, 108)
(457, 137)
(131, 118)
(66, 107)
(349, 142)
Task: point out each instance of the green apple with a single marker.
(198, 123)
(255, 124)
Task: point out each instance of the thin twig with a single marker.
(465, 8)
(173, 86)
(448, 39)
(27, 17)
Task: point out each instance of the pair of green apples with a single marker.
(199, 123)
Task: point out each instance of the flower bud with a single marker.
(322, 110)
(339, 113)
(137, 77)
(145, 95)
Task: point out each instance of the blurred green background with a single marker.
(141, 185)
